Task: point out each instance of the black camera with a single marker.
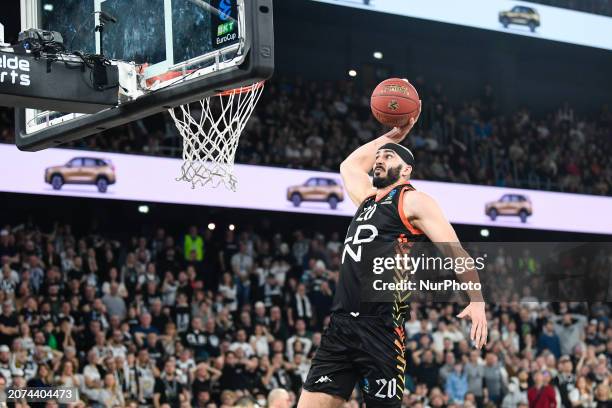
(35, 39)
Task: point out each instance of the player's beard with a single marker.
(393, 175)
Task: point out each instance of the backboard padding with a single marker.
(257, 65)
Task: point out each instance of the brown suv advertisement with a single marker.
(510, 204)
(317, 189)
(520, 15)
(82, 170)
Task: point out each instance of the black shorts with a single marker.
(361, 350)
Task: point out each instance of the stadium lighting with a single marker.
(143, 209)
(378, 55)
(232, 227)
(211, 226)
(352, 73)
(48, 7)
(484, 232)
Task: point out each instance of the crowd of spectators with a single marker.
(232, 318)
(314, 125)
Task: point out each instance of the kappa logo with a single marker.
(354, 314)
(393, 105)
(323, 379)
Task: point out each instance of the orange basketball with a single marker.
(394, 102)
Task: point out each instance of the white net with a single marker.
(211, 130)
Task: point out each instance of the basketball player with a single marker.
(365, 340)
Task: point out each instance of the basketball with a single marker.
(394, 102)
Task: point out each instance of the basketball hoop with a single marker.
(211, 131)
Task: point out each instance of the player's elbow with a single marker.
(344, 167)
(345, 173)
(347, 167)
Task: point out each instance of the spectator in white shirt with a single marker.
(301, 336)
(260, 340)
(91, 374)
(241, 343)
(241, 261)
(301, 308)
(229, 291)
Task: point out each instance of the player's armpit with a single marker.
(357, 183)
(425, 214)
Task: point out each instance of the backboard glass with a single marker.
(209, 45)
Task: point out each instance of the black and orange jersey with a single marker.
(379, 228)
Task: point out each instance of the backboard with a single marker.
(177, 51)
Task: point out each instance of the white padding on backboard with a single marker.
(128, 81)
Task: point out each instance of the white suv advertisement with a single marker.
(513, 17)
(153, 179)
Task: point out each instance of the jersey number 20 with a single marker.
(367, 213)
(391, 387)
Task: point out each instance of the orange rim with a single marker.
(168, 76)
(242, 89)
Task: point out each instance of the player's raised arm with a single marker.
(355, 168)
(425, 214)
